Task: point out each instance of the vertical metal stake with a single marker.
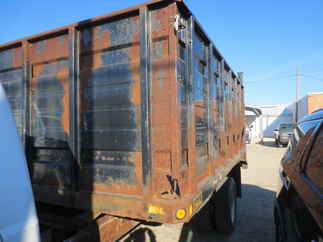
(145, 93)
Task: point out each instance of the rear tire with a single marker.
(223, 209)
(284, 227)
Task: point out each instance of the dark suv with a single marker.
(299, 201)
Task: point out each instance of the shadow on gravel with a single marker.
(269, 143)
(142, 235)
(254, 221)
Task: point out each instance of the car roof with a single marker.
(318, 110)
(316, 115)
(310, 121)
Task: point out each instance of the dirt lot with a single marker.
(255, 220)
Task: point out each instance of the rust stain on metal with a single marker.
(134, 54)
(65, 118)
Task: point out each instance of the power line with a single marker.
(271, 78)
(317, 72)
(286, 76)
(313, 77)
(274, 75)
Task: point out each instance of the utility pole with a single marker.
(298, 75)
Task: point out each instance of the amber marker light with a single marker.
(180, 213)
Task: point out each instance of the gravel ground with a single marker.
(255, 220)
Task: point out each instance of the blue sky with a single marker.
(268, 40)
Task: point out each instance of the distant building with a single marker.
(251, 114)
(308, 104)
(273, 115)
(264, 125)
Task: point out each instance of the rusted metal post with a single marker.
(145, 92)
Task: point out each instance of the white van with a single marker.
(18, 218)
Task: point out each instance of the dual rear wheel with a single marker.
(223, 207)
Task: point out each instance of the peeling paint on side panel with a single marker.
(111, 106)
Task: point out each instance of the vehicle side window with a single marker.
(314, 164)
(297, 144)
(301, 140)
(291, 148)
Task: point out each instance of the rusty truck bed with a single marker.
(134, 114)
